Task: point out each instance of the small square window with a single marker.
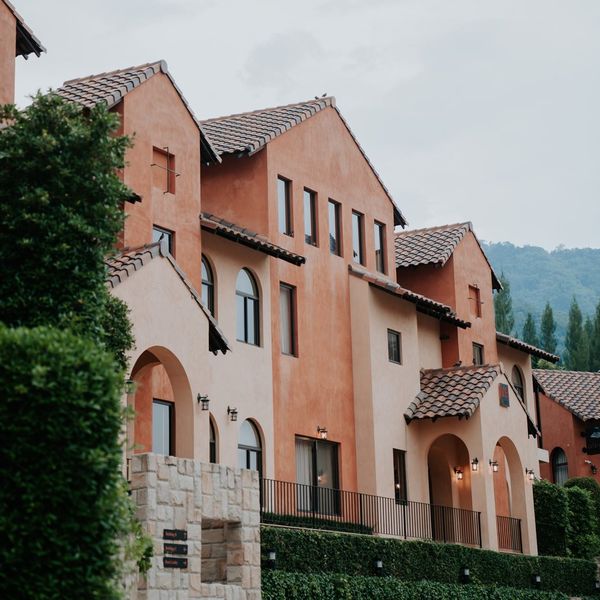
(166, 236)
(478, 354)
(394, 346)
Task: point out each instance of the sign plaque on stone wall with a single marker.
(174, 534)
(174, 562)
(175, 548)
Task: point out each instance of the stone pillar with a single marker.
(205, 523)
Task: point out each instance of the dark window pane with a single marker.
(334, 228)
(400, 491)
(310, 228)
(251, 333)
(357, 241)
(212, 443)
(283, 201)
(394, 349)
(379, 247)
(240, 318)
(242, 460)
(478, 357)
(287, 320)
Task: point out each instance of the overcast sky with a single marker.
(470, 110)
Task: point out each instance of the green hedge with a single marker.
(592, 486)
(323, 552)
(582, 538)
(551, 518)
(63, 504)
(279, 585)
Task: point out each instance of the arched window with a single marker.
(212, 448)
(517, 381)
(560, 466)
(247, 308)
(208, 286)
(250, 448)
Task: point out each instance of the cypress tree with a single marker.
(595, 342)
(505, 319)
(530, 336)
(576, 347)
(548, 330)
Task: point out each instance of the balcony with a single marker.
(298, 505)
(509, 534)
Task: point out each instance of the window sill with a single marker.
(394, 362)
(248, 343)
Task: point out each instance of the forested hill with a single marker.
(537, 276)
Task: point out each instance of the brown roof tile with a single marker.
(424, 304)
(577, 391)
(223, 228)
(455, 392)
(521, 345)
(27, 42)
(113, 86)
(433, 246)
(247, 133)
(123, 265)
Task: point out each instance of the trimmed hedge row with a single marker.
(279, 585)
(324, 552)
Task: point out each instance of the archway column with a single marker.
(482, 485)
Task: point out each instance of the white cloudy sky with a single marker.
(474, 110)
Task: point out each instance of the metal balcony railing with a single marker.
(298, 505)
(509, 534)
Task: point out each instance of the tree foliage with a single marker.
(530, 335)
(505, 320)
(576, 344)
(548, 330)
(595, 342)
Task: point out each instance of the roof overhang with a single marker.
(508, 340)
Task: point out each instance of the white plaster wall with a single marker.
(430, 348)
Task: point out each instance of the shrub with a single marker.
(551, 518)
(63, 505)
(582, 538)
(592, 486)
(322, 552)
(278, 585)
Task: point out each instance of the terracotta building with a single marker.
(284, 322)
(569, 412)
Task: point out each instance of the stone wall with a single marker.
(205, 523)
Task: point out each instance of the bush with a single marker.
(551, 518)
(592, 486)
(582, 538)
(322, 552)
(63, 503)
(278, 585)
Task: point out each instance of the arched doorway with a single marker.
(449, 487)
(163, 419)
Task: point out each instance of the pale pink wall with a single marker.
(8, 45)
(430, 347)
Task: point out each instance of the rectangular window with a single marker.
(478, 357)
(357, 238)
(379, 236)
(162, 427)
(400, 491)
(475, 301)
(167, 237)
(284, 206)
(287, 311)
(335, 238)
(163, 170)
(310, 217)
(394, 346)
(317, 474)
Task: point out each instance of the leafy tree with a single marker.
(583, 541)
(60, 212)
(592, 486)
(530, 335)
(576, 347)
(595, 342)
(505, 320)
(548, 330)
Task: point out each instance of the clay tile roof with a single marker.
(433, 246)
(424, 305)
(27, 42)
(577, 391)
(113, 86)
(247, 133)
(123, 265)
(525, 347)
(223, 228)
(455, 392)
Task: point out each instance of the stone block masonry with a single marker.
(204, 520)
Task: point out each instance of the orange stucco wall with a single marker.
(562, 429)
(8, 43)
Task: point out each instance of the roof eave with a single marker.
(508, 340)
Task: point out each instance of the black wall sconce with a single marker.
(232, 412)
(322, 432)
(494, 465)
(378, 567)
(459, 473)
(475, 465)
(465, 574)
(204, 400)
(530, 474)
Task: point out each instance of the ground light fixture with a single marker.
(271, 558)
(494, 465)
(204, 400)
(232, 412)
(459, 473)
(536, 580)
(465, 574)
(378, 567)
(597, 585)
(322, 432)
(530, 474)
(475, 465)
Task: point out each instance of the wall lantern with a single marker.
(536, 580)
(232, 412)
(475, 464)
(130, 387)
(465, 574)
(271, 558)
(459, 474)
(530, 474)
(378, 567)
(322, 432)
(597, 585)
(204, 400)
(494, 465)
